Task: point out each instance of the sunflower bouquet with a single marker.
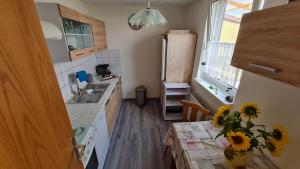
(244, 136)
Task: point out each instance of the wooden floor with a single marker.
(137, 138)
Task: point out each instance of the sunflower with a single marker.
(239, 141)
(249, 110)
(274, 147)
(220, 114)
(280, 134)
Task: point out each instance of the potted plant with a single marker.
(243, 135)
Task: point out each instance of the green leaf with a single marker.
(249, 124)
(220, 134)
(261, 131)
(254, 142)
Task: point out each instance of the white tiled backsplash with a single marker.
(62, 70)
(111, 57)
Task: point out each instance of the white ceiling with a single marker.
(143, 2)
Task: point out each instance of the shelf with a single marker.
(173, 103)
(74, 34)
(173, 116)
(173, 93)
(177, 85)
(177, 93)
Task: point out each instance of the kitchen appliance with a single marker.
(103, 71)
(95, 140)
(89, 158)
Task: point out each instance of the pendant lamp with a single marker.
(148, 17)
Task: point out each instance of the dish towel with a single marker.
(82, 75)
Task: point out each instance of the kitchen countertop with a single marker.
(84, 114)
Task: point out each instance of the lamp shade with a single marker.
(148, 17)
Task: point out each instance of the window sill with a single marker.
(220, 95)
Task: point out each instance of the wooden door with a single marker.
(180, 57)
(34, 126)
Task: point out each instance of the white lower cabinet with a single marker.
(102, 139)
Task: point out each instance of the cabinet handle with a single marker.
(263, 68)
(107, 102)
(79, 54)
(113, 90)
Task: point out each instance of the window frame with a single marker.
(202, 75)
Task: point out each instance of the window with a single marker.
(221, 34)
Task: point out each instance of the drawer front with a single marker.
(268, 43)
(79, 53)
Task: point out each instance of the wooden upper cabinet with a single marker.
(99, 34)
(85, 19)
(268, 43)
(97, 28)
(68, 13)
(74, 15)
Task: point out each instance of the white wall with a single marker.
(77, 5)
(140, 50)
(279, 103)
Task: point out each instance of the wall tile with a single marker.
(63, 70)
(111, 57)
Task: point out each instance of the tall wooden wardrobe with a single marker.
(178, 53)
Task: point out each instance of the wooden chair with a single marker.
(195, 109)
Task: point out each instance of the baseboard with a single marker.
(149, 98)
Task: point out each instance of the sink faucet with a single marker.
(73, 81)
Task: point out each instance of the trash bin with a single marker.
(140, 96)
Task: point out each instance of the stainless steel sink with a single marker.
(92, 93)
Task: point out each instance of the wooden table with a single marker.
(194, 147)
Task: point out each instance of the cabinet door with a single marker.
(268, 43)
(112, 107)
(102, 140)
(109, 113)
(116, 104)
(180, 57)
(99, 34)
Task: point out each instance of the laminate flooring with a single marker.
(137, 139)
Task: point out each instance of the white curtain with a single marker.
(215, 19)
(214, 24)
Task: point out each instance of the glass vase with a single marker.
(237, 160)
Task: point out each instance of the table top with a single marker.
(194, 147)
